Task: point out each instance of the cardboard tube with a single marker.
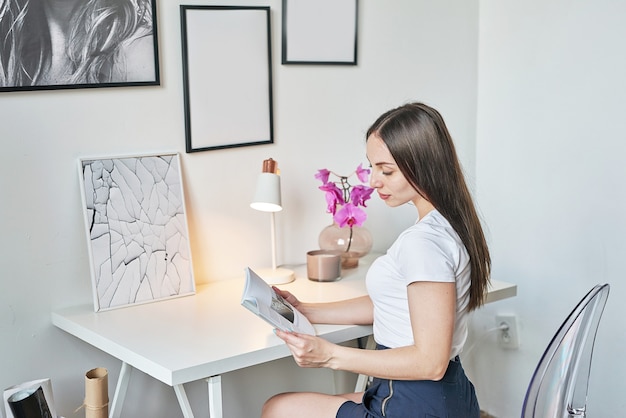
(97, 393)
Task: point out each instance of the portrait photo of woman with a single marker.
(77, 43)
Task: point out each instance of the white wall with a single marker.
(408, 50)
(551, 161)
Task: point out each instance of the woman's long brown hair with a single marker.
(419, 141)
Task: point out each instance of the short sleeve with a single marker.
(427, 256)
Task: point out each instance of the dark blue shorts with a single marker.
(451, 397)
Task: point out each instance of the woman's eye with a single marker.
(386, 173)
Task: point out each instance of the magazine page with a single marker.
(263, 301)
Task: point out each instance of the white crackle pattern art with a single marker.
(137, 228)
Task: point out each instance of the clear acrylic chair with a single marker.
(558, 388)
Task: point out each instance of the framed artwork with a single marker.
(320, 32)
(98, 44)
(227, 76)
(136, 225)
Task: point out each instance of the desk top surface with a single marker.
(194, 337)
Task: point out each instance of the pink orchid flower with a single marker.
(350, 215)
(322, 175)
(360, 194)
(362, 173)
(346, 196)
(334, 196)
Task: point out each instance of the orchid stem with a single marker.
(349, 241)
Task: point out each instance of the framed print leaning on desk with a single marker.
(136, 229)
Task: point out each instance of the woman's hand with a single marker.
(287, 296)
(308, 350)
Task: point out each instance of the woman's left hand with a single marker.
(308, 350)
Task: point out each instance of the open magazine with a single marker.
(263, 301)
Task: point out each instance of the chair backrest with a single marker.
(558, 388)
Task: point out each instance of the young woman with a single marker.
(48, 42)
(420, 291)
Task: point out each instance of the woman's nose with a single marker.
(374, 181)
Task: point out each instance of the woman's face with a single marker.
(386, 178)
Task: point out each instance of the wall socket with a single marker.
(509, 338)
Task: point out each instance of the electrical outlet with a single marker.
(508, 338)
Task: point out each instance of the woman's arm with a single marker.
(432, 309)
(357, 311)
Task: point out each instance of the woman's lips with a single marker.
(384, 196)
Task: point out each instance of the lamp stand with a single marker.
(276, 276)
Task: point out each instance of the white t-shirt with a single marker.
(429, 251)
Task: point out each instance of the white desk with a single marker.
(205, 335)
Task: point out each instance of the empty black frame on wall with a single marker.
(319, 32)
(112, 45)
(227, 76)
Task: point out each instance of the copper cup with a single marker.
(323, 265)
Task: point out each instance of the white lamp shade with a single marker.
(267, 196)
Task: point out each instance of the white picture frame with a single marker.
(136, 229)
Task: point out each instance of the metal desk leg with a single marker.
(215, 396)
(183, 401)
(120, 391)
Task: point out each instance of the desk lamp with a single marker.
(267, 199)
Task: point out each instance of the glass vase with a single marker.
(352, 241)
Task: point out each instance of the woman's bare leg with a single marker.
(306, 405)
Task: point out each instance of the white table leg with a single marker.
(362, 380)
(183, 401)
(120, 391)
(215, 396)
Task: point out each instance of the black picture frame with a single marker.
(227, 76)
(131, 59)
(322, 32)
